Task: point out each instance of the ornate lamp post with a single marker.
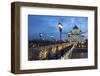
(40, 34)
(60, 26)
(52, 37)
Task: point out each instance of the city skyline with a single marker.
(48, 25)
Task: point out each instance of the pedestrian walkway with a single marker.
(68, 54)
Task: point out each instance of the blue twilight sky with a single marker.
(48, 25)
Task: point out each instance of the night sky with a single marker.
(48, 25)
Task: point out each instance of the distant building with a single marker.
(75, 35)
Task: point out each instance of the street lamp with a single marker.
(52, 37)
(40, 34)
(60, 26)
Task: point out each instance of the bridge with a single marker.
(56, 51)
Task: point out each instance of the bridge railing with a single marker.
(41, 53)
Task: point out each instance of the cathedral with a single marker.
(75, 35)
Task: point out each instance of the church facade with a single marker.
(75, 35)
